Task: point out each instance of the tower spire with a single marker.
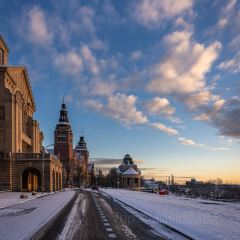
(63, 112)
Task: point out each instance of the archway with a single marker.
(31, 180)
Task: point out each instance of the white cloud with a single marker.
(217, 106)
(219, 149)
(192, 143)
(98, 44)
(93, 104)
(228, 15)
(151, 13)
(89, 60)
(183, 70)
(122, 108)
(198, 99)
(70, 62)
(222, 22)
(37, 26)
(189, 142)
(212, 112)
(86, 15)
(102, 88)
(160, 106)
(234, 44)
(232, 65)
(164, 128)
(136, 55)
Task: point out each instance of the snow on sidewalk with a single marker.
(200, 219)
(11, 198)
(22, 221)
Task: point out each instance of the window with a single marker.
(2, 112)
(61, 139)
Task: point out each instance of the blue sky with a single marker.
(156, 79)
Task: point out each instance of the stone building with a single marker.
(63, 145)
(23, 164)
(75, 161)
(127, 175)
(81, 158)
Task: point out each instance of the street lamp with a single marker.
(43, 165)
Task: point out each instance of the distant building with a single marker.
(24, 164)
(127, 175)
(81, 157)
(150, 184)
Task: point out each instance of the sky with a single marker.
(156, 79)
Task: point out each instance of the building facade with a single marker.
(21, 155)
(127, 175)
(75, 161)
(81, 158)
(63, 145)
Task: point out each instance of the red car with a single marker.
(163, 192)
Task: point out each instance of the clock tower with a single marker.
(63, 144)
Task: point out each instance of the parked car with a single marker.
(95, 188)
(164, 192)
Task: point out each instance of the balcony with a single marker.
(31, 156)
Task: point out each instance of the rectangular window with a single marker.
(2, 112)
(61, 139)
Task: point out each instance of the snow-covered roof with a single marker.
(130, 171)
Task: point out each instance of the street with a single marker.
(94, 216)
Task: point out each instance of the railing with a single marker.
(28, 156)
(32, 156)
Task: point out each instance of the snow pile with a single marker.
(197, 218)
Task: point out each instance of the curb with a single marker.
(51, 229)
(172, 228)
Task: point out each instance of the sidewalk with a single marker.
(23, 220)
(10, 198)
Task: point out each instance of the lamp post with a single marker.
(43, 165)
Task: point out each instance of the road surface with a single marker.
(94, 216)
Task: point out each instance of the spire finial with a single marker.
(64, 98)
(82, 132)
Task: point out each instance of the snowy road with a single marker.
(23, 220)
(199, 219)
(94, 216)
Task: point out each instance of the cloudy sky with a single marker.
(156, 79)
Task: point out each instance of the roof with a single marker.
(118, 171)
(4, 43)
(127, 160)
(8, 68)
(130, 171)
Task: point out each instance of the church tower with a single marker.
(81, 155)
(63, 144)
